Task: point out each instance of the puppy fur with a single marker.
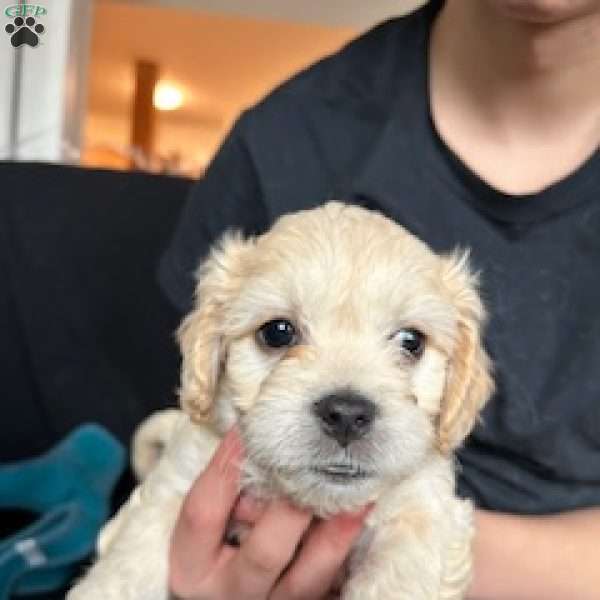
(348, 279)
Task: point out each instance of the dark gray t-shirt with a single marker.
(357, 127)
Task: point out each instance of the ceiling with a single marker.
(346, 13)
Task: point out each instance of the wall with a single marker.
(222, 63)
(43, 91)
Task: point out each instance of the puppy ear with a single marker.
(201, 335)
(468, 381)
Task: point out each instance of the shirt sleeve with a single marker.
(227, 197)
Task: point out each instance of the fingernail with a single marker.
(233, 437)
(231, 449)
(234, 441)
(362, 513)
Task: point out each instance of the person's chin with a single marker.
(545, 11)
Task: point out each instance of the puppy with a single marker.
(350, 357)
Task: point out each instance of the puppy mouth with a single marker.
(342, 472)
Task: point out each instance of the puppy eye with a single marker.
(278, 333)
(411, 340)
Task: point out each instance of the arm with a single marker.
(531, 557)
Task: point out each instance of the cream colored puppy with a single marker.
(349, 355)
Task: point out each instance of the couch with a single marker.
(85, 332)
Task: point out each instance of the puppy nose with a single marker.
(345, 416)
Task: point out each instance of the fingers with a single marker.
(316, 569)
(248, 509)
(267, 551)
(198, 533)
(269, 562)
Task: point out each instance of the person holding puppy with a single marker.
(472, 123)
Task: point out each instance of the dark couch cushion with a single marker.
(86, 334)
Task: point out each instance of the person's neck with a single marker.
(519, 70)
(527, 85)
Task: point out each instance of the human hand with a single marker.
(271, 562)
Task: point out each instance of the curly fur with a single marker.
(348, 279)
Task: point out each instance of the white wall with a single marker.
(50, 85)
(7, 65)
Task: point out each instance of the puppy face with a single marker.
(346, 351)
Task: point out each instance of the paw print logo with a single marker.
(24, 31)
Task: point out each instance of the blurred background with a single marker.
(155, 84)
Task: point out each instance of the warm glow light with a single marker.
(167, 97)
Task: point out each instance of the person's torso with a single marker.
(360, 131)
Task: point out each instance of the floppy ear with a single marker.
(468, 379)
(201, 335)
